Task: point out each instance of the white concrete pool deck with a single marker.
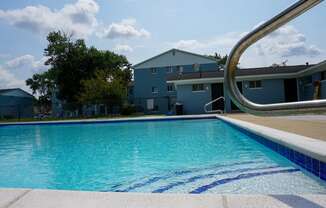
(27, 198)
(33, 198)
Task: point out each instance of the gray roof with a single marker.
(240, 72)
(174, 49)
(3, 91)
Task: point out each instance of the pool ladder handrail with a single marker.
(261, 31)
(211, 102)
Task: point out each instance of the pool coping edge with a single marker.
(307, 145)
(111, 120)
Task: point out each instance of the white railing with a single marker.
(210, 103)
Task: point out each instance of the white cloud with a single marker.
(27, 62)
(127, 28)
(189, 45)
(78, 19)
(122, 48)
(14, 72)
(287, 42)
(224, 43)
(8, 80)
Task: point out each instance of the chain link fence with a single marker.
(151, 105)
(16, 111)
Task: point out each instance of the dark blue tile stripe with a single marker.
(182, 172)
(239, 177)
(195, 178)
(308, 163)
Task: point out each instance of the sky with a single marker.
(140, 29)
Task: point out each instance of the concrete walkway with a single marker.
(27, 198)
(313, 126)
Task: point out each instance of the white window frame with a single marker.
(154, 70)
(196, 67)
(180, 69)
(169, 69)
(153, 90)
(202, 90)
(255, 84)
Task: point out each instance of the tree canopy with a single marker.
(74, 66)
(103, 88)
(221, 60)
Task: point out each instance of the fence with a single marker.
(155, 105)
(73, 110)
(150, 105)
(16, 111)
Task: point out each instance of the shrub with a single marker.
(128, 110)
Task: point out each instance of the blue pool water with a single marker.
(184, 156)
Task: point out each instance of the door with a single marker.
(217, 91)
(150, 104)
(233, 106)
(290, 90)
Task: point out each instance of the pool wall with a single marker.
(306, 152)
(117, 120)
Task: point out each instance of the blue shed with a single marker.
(15, 103)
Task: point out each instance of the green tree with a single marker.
(221, 60)
(104, 88)
(42, 85)
(74, 66)
(73, 62)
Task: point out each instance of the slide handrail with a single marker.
(258, 33)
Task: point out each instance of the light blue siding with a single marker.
(272, 91)
(323, 90)
(193, 102)
(144, 80)
(307, 87)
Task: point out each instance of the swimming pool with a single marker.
(180, 156)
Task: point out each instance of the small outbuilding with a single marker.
(15, 103)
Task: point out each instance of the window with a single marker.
(154, 90)
(170, 88)
(323, 76)
(180, 69)
(197, 87)
(306, 80)
(169, 69)
(255, 84)
(196, 67)
(154, 70)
